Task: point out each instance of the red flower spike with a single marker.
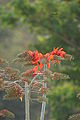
(47, 55)
(50, 57)
(40, 55)
(55, 50)
(57, 61)
(36, 55)
(35, 68)
(62, 53)
(61, 49)
(33, 62)
(30, 53)
(41, 65)
(48, 64)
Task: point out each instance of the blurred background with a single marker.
(43, 25)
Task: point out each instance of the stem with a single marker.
(27, 92)
(34, 79)
(27, 116)
(43, 107)
(43, 103)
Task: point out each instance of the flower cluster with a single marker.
(6, 114)
(38, 59)
(13, 91)
(28, 73)
(60, 76)
(12, 74)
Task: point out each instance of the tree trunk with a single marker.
(27, 116)
(43, 103)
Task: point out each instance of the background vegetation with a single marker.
(43, 25)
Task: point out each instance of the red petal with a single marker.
(47, 55)
(30, 53)
(48, 65)
(50, 57)
(61, 49)
(40, 55)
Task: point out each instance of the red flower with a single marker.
(57, 61)
(35, 68)
(38, 59)
(30, 53)
(48, 64)
(41, 65)
(58, 52)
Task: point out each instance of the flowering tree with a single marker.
(34, 80)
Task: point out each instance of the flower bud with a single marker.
(6, 114)
(60, 76)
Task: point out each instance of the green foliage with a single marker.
(59, 20)
(64, 101)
